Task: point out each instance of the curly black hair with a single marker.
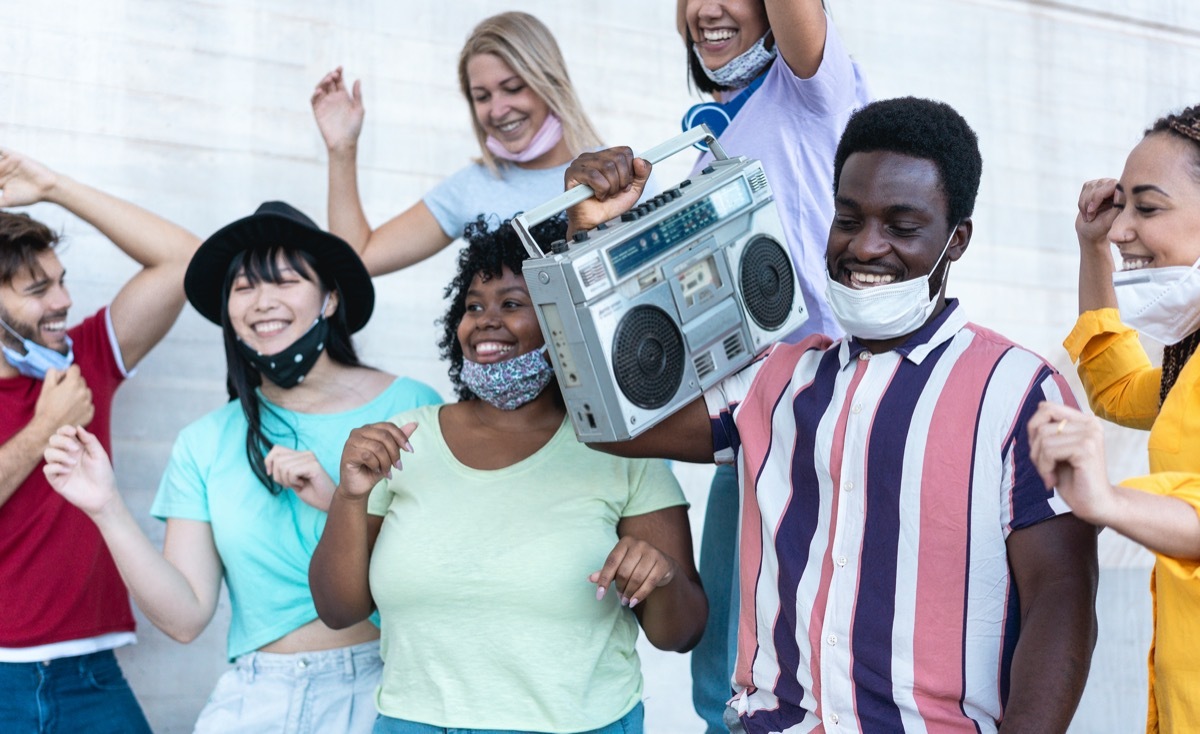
(920, 128)
(487, 254)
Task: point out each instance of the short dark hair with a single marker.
(1184, 125)
(22, 240)
(487, 254)
(920, 128)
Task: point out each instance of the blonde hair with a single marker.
(527, 46)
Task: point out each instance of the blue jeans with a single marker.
(84, 693)
(630, 723)
(713, 659)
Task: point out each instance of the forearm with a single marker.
(674, 616)
(20, 456)
(1162, 524)
(1051, 662)
(1095, 277)
(339, 571)
(346, 217)
(159, 589)
(147, 238)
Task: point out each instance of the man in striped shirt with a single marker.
(903, 567)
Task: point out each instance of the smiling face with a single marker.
(1158, 198)
(724, 29)
(505, 106)
(499, 322)
(35, 304)
(889, 224)
(270, 316)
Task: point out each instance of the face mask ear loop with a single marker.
(17, 336)
(321, 313)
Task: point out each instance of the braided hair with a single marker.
(1184, 125)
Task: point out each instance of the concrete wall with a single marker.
(199, 111)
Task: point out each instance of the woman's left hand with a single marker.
(637, 567)
(300, 472)
(1067, 448)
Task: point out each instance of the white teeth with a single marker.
(488, 348)
(508, 126)
(269, 326)
(718, 34)
(1135, 263)
(54, 325)
(867, 280)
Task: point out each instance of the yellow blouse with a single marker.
(1123, 387)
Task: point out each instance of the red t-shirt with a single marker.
(57, 579)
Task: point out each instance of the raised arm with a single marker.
(147, 306)
(339, 571)
(401, 241)
(1095, 219)
(177, 590)
(683, 436)
(1055, 569)
(799, 29)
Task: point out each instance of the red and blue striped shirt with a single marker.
(878, 492)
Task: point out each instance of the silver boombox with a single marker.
(643, 314)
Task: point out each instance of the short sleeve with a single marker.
(1183, 486)
(833, 89)
(653, 487)
(1025, 499)
(380, 498)
(183, 492)
(446, 200)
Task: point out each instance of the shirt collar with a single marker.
(920, 343)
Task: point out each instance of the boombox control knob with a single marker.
(686, 182)
(707, 169)
(580, 236)
(543, 277)
(628, 217)
(558, 247)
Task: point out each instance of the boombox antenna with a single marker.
(576, 194)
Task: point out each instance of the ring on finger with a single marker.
(1061, 426)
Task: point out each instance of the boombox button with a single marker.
(601, 226)
(628, 217)
(580, 236)
(544, 277)
(686, 182)
(707, 169)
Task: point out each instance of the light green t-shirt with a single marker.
(488, 618)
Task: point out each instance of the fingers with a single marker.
(377, 447)
(637, 568)
(607, 172)
(356, 92)
(91, 444)
(1096, 196)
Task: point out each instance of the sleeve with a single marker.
(447, 201)
(1025, 499)
(833, 90)
(1183, 486)
(1121, 384)
(722, 400)
(96, 350)
(183, 491)
(652, 487)
(380, 498)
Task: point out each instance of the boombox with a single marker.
(644, 313)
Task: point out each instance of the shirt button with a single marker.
(857, 408)
(841, 561)
(848, 487)
(833, 718)
(864, 355)
(832, 639)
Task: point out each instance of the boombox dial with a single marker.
(645, 312)
(767, 282)
(648, 357)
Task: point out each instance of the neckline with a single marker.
(529, 462)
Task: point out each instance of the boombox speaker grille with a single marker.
(765, 276)
(648, 357)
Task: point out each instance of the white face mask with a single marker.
(884, 311)
(1162, 303)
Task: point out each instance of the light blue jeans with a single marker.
(713, 659)
(299, 693)
(630, 723)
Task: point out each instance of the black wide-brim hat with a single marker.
(276, 222)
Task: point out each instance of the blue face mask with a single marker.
(37, 359)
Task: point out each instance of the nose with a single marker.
(709, 10)
(60, 299)
(264, 297)
(1122, 229)
(868, 244)
(499, 107)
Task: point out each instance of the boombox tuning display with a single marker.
(644, 313)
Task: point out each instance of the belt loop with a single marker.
(348, 662)
(250, 663)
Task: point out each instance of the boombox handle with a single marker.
(576, 194)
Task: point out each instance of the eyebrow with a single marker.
(1143, 188)
(891, 210)
(501, 83)
(43, 281)
(503, 291)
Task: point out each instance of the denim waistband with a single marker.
(81, 664)
(344, 660)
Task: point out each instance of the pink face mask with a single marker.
(542, 143)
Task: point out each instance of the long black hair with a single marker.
(487, 254)
(262, 264)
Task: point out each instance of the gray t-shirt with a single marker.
(475, 190)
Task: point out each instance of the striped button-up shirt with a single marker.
(878, 492)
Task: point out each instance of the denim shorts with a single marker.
(630, 723)
(298, 693)
(81, 693)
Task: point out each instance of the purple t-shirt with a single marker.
(793, 126)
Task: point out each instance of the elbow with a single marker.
(338, 616)
(183, 633)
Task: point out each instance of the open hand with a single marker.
(370, 454)
(300, 472)
(339, 111)
(78, 468)
(637, 567)
(616, 177)
(23, 180)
